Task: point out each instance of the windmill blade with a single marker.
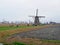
(36, 12)
(41, 16)
(32, 16)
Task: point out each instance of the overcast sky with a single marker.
(20, 10)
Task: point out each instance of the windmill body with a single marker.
(36, 20)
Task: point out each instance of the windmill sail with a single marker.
(36, 12)
(41, 16)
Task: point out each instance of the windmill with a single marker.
(36, 18)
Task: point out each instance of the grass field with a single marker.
(15, 27)
(7, 31)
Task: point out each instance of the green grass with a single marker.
(16, 43)
(51, 41)
(14, 27)
(7, 28)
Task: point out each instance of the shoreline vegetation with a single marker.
(4, 34)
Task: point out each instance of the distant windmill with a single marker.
(36, 21)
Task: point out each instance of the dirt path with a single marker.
(52, 33)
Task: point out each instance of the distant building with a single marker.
(52, 22)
